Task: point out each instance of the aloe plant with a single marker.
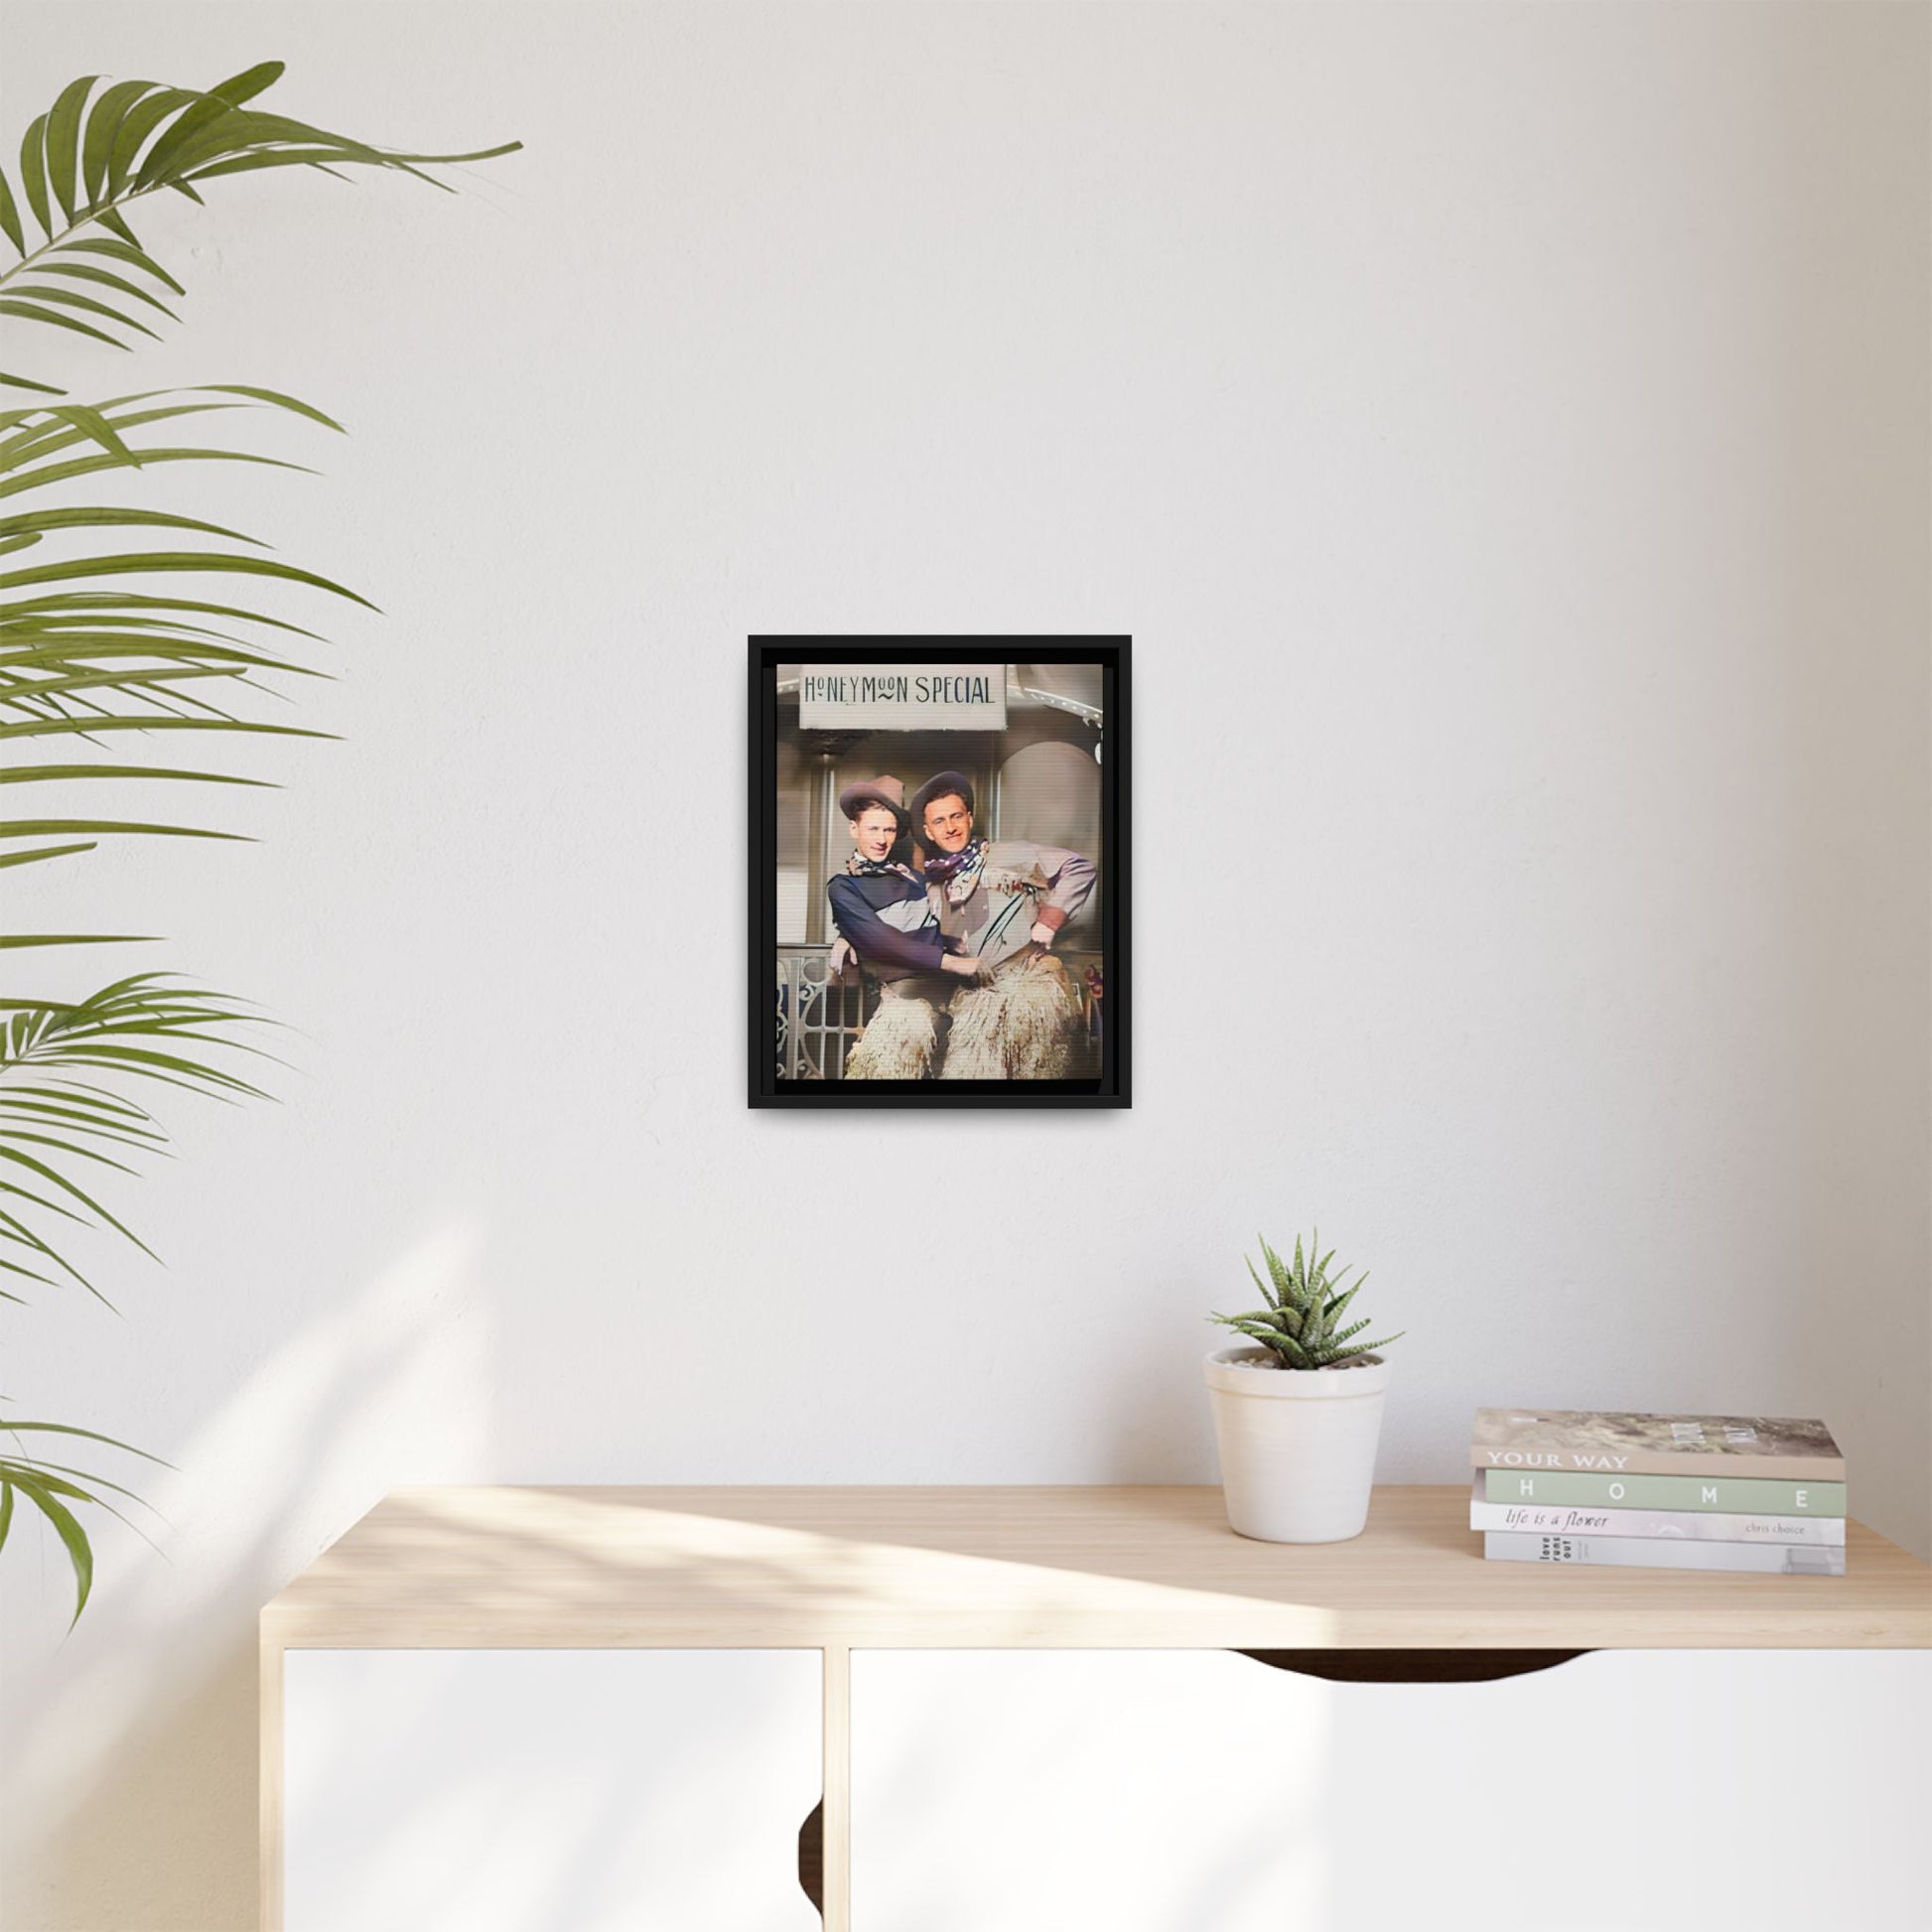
(104, 646)
(1302, 1323)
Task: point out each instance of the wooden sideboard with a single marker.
(838, 1571)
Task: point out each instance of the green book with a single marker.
(1751, 1495)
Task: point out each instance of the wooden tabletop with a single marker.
(1041, 1568)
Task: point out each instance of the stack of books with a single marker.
(1662, 1493)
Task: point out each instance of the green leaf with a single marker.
(274, 397)
(231, 132)
(19, 1133)
(22, 942)
(103, 121)
(77, 1091)
(107, 279)
(1268, 1293)
(80, 1552)
(40, 1200)
(54, 642)
(49, 431)
(136, 125)
(74, 519)
(77, 1193)
(31, 311)
(208, 114)
(67, 774)
(79, 1120)
(33, 174)
(164, 560)
(11, 1428)
(72, 299)
(56, 472)
(157, 1066)
(133, 257)
(42, 852)
(1315, 1332)
(1367, 1347)
(22, 828)
(25, 383)
(249, 83)
(64, 142)
(6, 1511)
(34, 1466)
(1284, 1282)
(87, 726)
(35, 434)
(10, 215)
(152, 683)
(248, 164)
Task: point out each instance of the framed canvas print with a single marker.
(939, 871)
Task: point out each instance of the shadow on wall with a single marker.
(134, 1808)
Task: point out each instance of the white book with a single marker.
(1647, 1553)
(1667, 1525)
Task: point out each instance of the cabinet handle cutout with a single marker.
(811, 1857)
(1413, 1665)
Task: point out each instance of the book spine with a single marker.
(1642, 1553)
(1690, 1525)
(1734, 1495)
(1659, 1462)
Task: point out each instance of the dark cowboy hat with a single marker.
(942, 784)
(882, 791)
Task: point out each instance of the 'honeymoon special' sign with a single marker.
(903, 696)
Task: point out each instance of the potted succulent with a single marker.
(1297, 1415)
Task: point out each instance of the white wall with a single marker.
(1502, 430)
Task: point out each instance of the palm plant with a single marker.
(101, 647)
(1302, 1323)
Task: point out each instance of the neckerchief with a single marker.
(959, 871)
(878, 868)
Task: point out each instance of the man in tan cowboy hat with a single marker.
(885, 914)
(1002, 904)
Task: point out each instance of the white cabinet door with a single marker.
(539, 1790)
(1201, 1791)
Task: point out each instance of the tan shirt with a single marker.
(1023, 883)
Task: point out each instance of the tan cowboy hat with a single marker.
(882, 791)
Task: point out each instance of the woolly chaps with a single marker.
(900, 1042)
(1021, 1028)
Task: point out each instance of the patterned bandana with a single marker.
(958, 872)
(880, 867)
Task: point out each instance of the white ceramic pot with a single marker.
(1298, 1445)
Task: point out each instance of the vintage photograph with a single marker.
(938, 870)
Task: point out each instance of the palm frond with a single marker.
(84, 655)
(98, 644)
(144, 1027)
(92, 155)
(53, 1488)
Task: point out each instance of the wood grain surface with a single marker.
(850, 1568)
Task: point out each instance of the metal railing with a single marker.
(819, 1023)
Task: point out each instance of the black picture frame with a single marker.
(774, 1003)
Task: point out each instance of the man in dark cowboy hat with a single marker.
(1002, 902)
(883, 912)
